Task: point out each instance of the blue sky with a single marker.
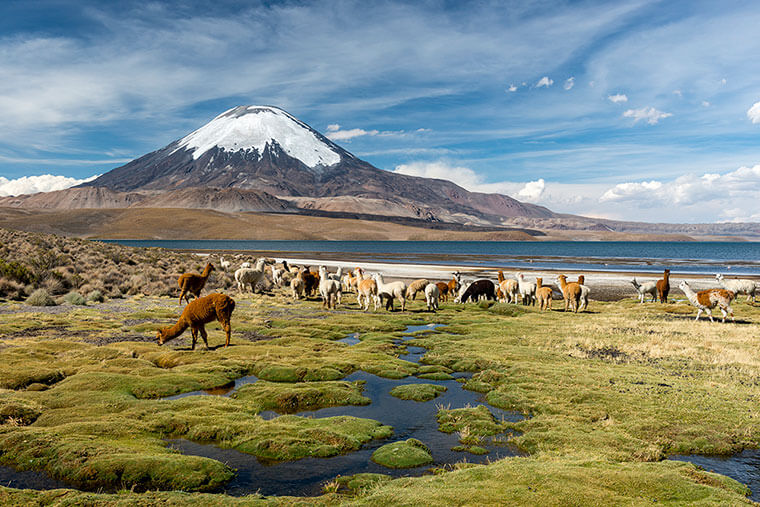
(639, 110)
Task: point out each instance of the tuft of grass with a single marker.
(95, 296)
(75, 298)
(40, 297)
(403, 454)
(417, 392)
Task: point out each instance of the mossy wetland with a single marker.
(580, 409)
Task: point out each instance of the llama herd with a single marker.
(303, 282)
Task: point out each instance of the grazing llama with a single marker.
(297, 285)
(199, 312)
(478, 289)
(250, 276)
(663, 286)
(706, 300)
(739, 286)
(645, 288)
(193, 283)
(415, 287)
(432, 294)
(443, 290)
(389, 291)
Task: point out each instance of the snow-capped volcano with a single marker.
(249, 128)
(265, 149)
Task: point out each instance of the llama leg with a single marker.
(181, 295)
(723, 311)
(709, 314)
(204, 335)
(403, 304)
(194, 332)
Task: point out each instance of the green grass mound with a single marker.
(438, 375)
(417, 392)
(358, 483)
(297, 397)
(471, 423)
(404, 454)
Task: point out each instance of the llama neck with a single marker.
(175, 330)
(206, 271)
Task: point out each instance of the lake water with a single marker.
(732, 258)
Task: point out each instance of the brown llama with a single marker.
(663, 286)
(192, 283)
(443, 290)
(543, 295)
(199, 312)
(571, 292)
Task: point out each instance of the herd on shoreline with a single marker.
(330, 287)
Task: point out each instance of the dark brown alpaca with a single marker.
(199, 312)
(663, 286)
(310, 280)
(192, 283)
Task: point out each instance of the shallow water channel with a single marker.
(409, 419)
(743, 467)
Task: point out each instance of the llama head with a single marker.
(666, 273)
(634, 282)
(161, 336)
(719, 277)
(684, 286)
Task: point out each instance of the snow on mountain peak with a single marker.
(253, 127)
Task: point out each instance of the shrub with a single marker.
(95, 296)
(11, 289)
(75, 298)
(40, 297)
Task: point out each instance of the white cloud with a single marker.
(705, 103)
(630, 191)
(462, 176)
(336, 134)
(618, 98)
(544, 81)
(512, 88)
(678, 93)
(753, 113)
(650, 114)
(35, 184)
(690, 198)
(532, 190)
(569, 83)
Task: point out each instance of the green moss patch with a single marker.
(417, 392)
(404, 454)
(297, 397)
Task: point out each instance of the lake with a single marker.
(733, 258)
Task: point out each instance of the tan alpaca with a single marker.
(199, 312)
(571, 292)
(544, 295)
(367, 289)
(192, 283)
(415, 287)
(297, 286)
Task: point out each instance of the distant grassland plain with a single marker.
(607, 394)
